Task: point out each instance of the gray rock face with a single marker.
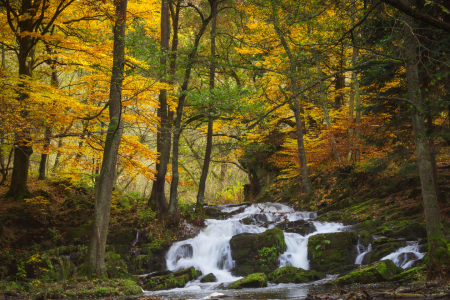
(301, 227)
(184, 251)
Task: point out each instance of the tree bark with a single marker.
(179, 113)
(164, 128)
(206, 162)
(95, 260)
(44, 155)
(209, 140)
(22, 144)
(436, 239)
(175, 13)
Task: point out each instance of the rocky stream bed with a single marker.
(271, 251)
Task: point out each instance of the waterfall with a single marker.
(406, 256)
(210, 251)
(362, 251)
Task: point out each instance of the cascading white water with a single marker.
(362, 251)
(210, 252)
(296, 254)
(406, 256)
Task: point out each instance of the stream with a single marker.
(210, 252)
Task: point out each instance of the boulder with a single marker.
(376, 272)
(209, 278)
(290, 274)
(115, 265)
(328, 252)
(300, 226)
(257, 252)
(256, 280)
(173, 280)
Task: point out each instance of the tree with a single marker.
(95, 260)
(24, 20)
(438, 252)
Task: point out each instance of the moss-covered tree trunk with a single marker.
(95, 260)
(438, 249)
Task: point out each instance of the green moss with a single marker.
(174, 280)
(256, 253)
(376, 272)
(330, 251)
(255, 280)
(209, 278)
(410, 275)
(291, 274)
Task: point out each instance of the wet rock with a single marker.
(257, 252)
(184, 251)
(300, 226)
(381, 248)
(246, 221)
(290, 274)
(376, 272)
(209, 278)
(174, 280)
(256, 280)
(329, 251)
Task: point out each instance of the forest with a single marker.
(190, 148)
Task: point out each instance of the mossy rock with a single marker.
(256, 280)
(289, 274)
(209, 278)
(115, 265)
(257, 252)
(301, 227)
(329, 251)
(377, 272)
(246, 221)
(410, 275)
(173, 280)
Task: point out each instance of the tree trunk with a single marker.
(438, 249)
(165, 132)
(95, 260)
(209, 141)
(44, 155)
(22, 144)
(175, 13)
(306, 182)
(204, 176)
(58, 155)
(179, 112)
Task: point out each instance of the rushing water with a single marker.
(210, 251)
(406, 256)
